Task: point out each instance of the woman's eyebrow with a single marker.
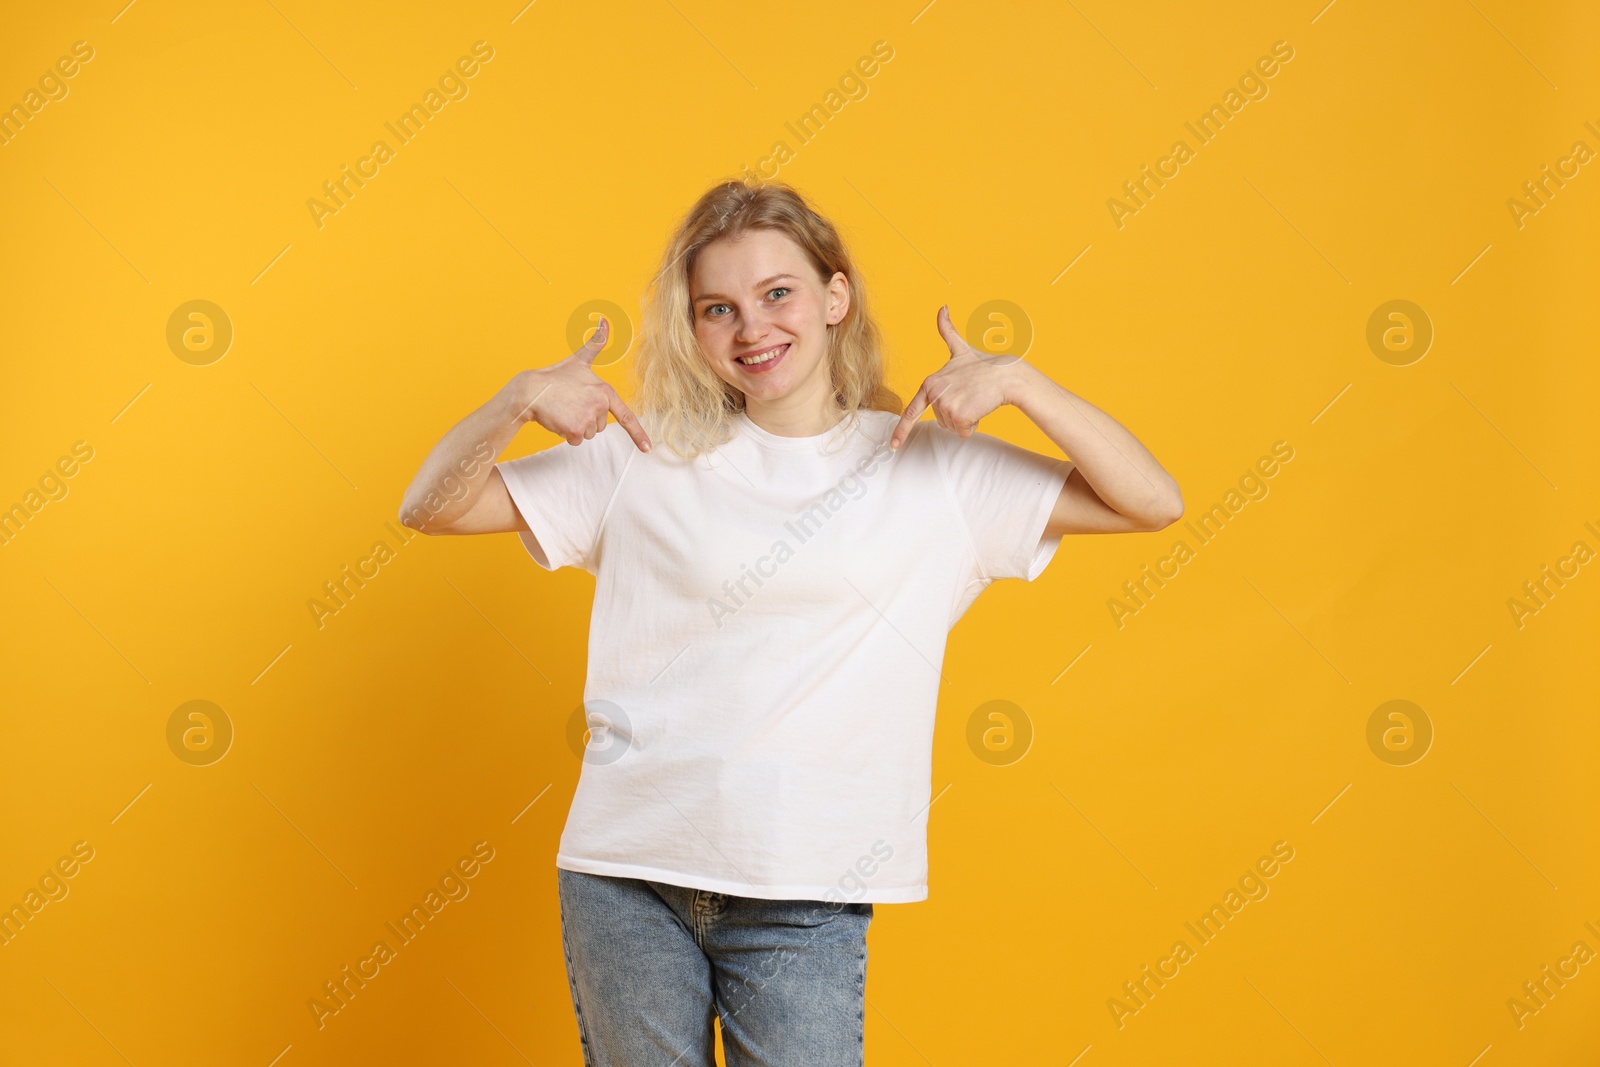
(763, 283)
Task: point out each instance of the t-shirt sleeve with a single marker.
(564, 492)
(1005, 495)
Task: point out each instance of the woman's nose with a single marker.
(752, 327)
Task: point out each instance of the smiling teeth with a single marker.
(761, 358)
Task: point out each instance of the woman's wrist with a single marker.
(518, 397)
(1022, 384)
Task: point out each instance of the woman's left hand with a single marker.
(964, 390)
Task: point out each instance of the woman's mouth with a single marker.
(764, 360)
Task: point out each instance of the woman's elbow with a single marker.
(415, 517)
(1161, 518)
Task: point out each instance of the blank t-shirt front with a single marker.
(768, 629)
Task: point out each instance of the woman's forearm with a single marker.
(1120, 470)
(455, 472)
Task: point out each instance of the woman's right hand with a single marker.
(570, 400)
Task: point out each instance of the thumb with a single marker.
(597, 341)
(947, 330)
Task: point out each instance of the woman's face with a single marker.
(758, 294)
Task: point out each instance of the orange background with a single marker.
(429, 714)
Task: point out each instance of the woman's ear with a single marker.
(838, 298)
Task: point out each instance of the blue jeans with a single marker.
(650, 964)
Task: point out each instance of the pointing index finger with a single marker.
(919, 402)
(629, 421)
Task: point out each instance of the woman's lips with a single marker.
(761, 368)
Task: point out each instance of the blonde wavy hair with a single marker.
(689, 407)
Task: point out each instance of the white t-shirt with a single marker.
(765, 647)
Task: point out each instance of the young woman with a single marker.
(779, 549)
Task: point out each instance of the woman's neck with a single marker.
(777, 420)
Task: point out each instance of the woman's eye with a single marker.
(711, 309)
